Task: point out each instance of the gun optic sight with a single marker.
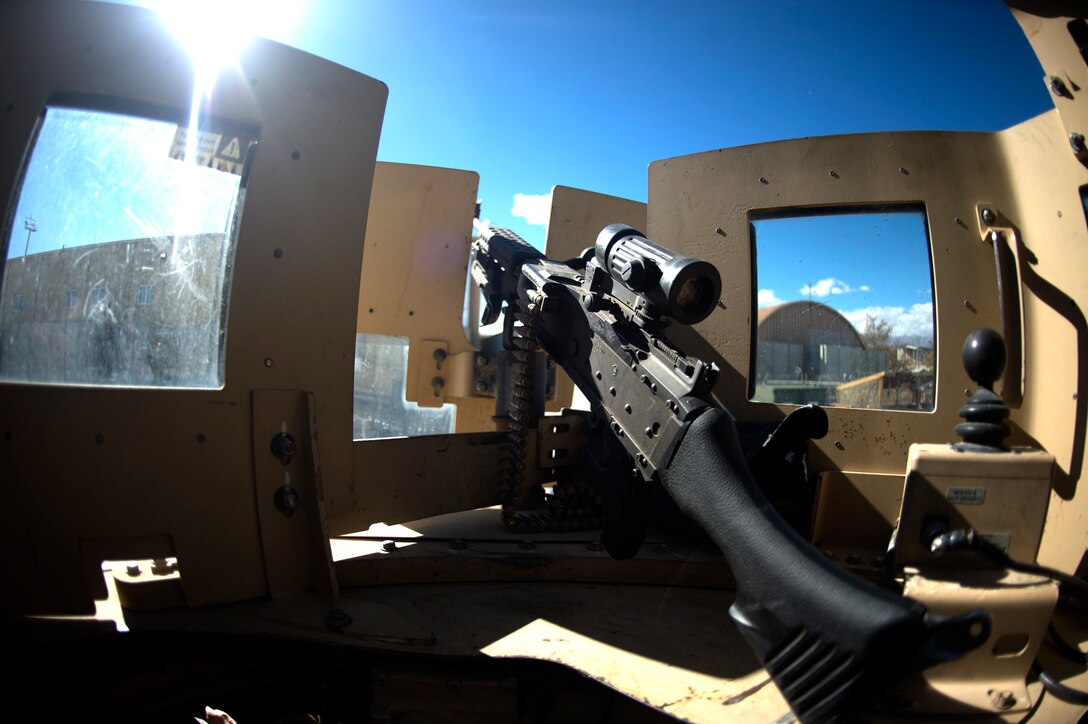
(687, 289)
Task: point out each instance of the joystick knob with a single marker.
(984, 428)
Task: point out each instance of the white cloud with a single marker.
(916, 321)
(534, 208)
(831, 286)
(767, 298)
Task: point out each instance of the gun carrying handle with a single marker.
(827, 638)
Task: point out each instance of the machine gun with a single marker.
(830, 640)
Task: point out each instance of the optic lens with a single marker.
(693, 299)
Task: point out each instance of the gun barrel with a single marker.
(687, 289)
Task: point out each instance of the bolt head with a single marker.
(988, 216)
(440, 354)
(1076, 140)
(481, 387)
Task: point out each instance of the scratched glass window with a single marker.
(844, 309)
(119, 248)
(380, 409)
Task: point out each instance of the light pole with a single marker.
(31, 226)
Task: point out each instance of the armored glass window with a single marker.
(130, 208)
(380, 409)
(844, 309)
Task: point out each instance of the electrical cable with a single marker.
(1064, 648)
(968, 539)
(1060, 690)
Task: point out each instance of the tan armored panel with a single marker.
(1057, 33)
(576, 218)
(94, 472)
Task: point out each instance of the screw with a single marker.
(988, 216)
(1076, 140)
(839, 445)
(627, 409)
(718, 231)
(763, 180)
(439, 354)
(833, 173)
(278, 253)
(438, 383)
(481, 361)
(458, 545)
(389, 546)
(267, 361)
(549, 390)
(1003, 699)
(337, 619)
(133, 569)
(615, 370)
(481, 387)
(904, 171)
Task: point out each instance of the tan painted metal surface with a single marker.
(140, 462)
(1002, 495)
(993, 677)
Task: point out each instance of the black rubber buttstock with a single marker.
(827, 638)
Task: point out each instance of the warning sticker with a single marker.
(221, 150)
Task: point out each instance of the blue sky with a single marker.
(589, 94)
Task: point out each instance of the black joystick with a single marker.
(984, 429)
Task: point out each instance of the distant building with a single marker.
(809, 352)
(135, 312)
(811, 342)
